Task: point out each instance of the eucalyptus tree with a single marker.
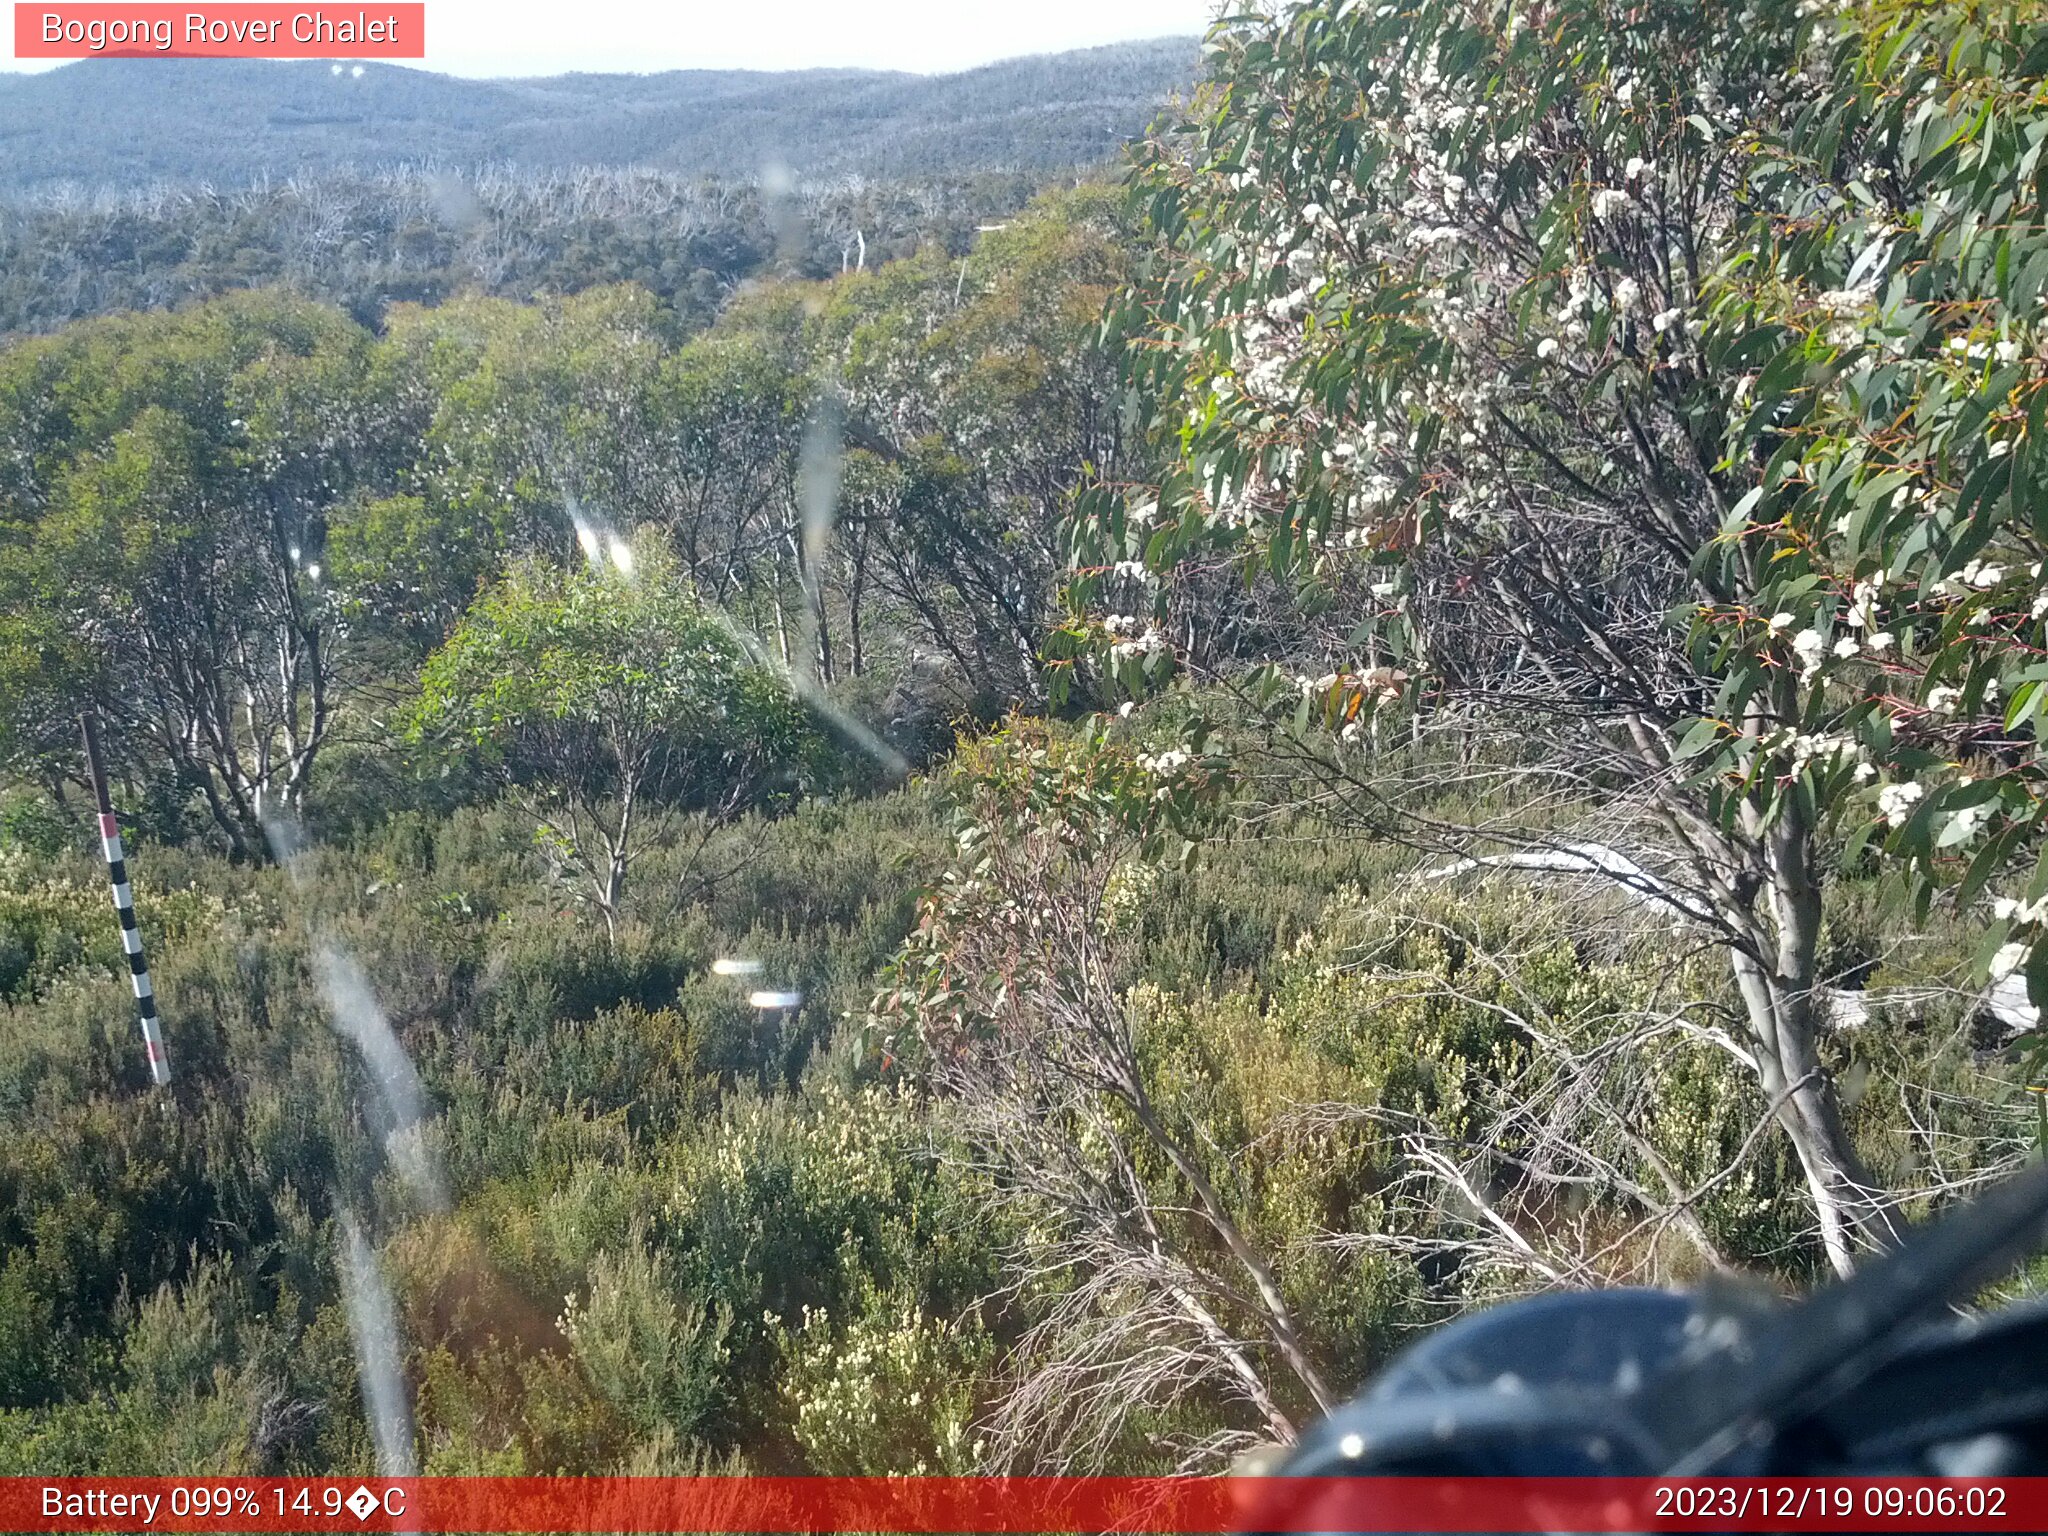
(169, 486)
(1652, 393)
(538, 410)
(980, 398)
(600, 697)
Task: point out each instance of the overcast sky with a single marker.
(550, 37)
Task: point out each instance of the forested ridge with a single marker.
(363, 242)
(145, 184)
(132, 123)
(1027, 839)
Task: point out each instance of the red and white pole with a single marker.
(124, 904)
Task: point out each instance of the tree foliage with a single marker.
(595, 693)
(1609, 383)
(170, 483)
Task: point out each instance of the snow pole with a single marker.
(124, 904)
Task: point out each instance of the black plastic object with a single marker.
(1882, 1374)
(1538, 1388)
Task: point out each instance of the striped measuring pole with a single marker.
(124, 904)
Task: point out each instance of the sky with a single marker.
(551, 37)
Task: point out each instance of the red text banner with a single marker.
(233, 31)
(1014, 1506)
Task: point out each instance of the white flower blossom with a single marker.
(1966, 824)
(2010, 957)
(1895, 802)
(2025, 913)
(1809, 645)
(1821, 748)
(1977, 575)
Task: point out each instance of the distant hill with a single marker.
(131, 122)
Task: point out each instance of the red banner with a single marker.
(1012, 1506)
(234, 31)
